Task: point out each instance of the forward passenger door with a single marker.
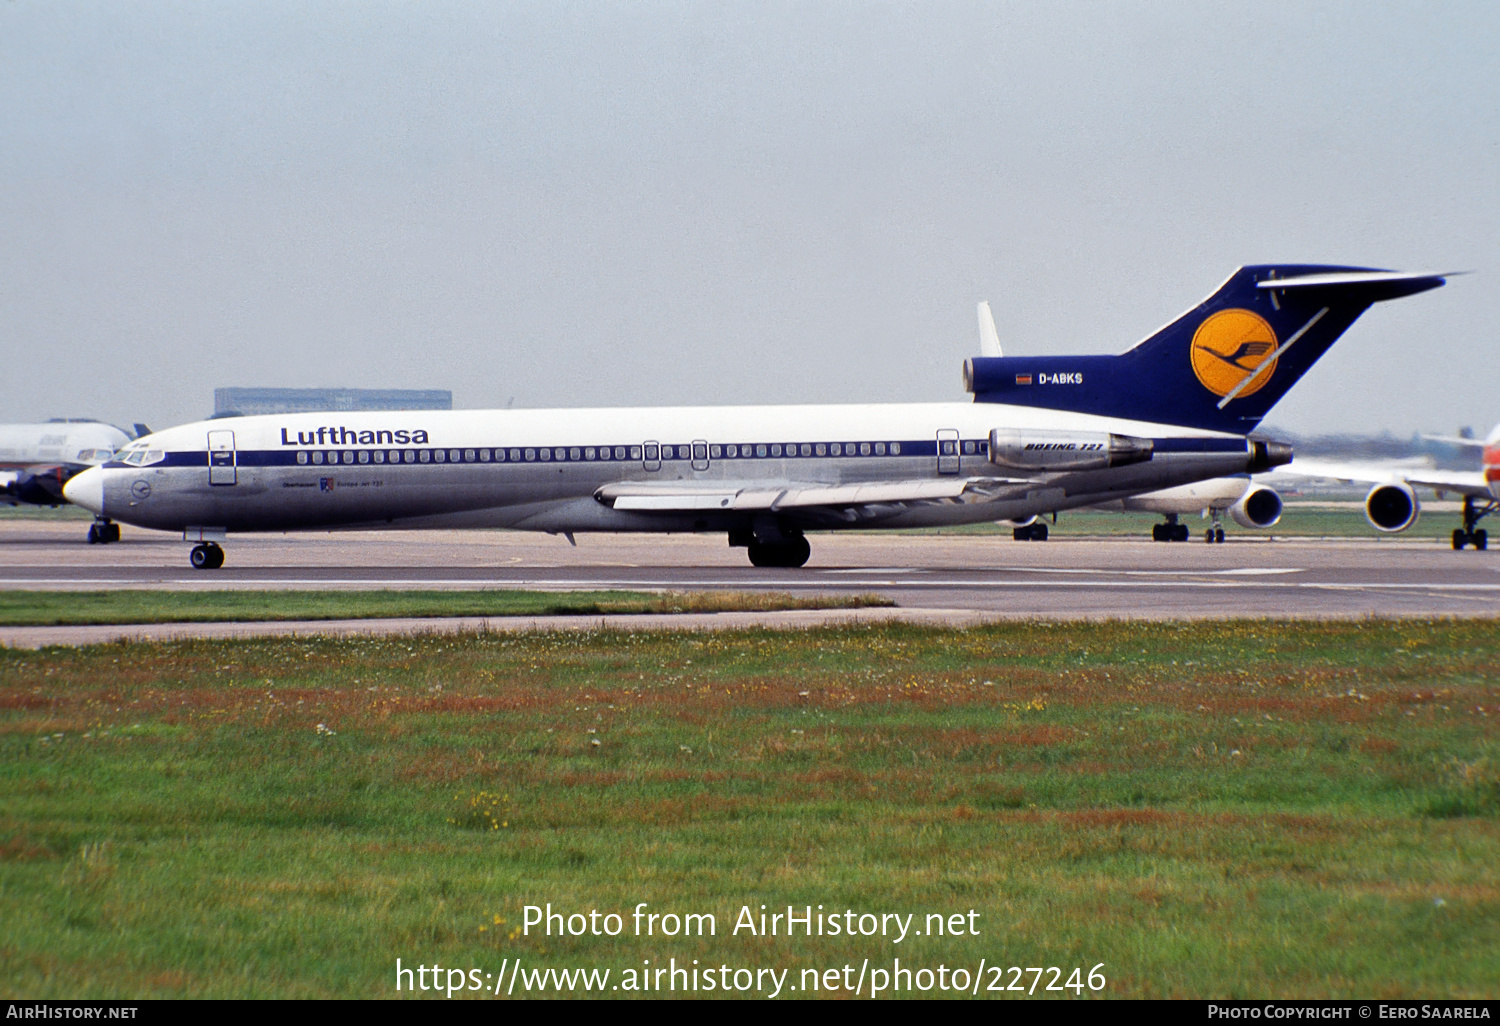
(222, 462)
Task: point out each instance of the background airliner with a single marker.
(37, 460)
(1067, 432)
(1392, 503)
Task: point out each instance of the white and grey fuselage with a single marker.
(765, 469)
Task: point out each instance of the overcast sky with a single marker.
(648, 203)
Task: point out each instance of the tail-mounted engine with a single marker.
(1032, 449)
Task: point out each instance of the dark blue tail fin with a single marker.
(1221, 365)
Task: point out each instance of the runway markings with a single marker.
(877, 570)
(1247, 571)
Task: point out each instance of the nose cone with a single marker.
(86, 489)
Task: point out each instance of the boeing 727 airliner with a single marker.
(1175, 409)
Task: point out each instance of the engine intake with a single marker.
(1392, 507)
(1259, 507)
(1027, 449)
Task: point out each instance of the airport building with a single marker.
(248, 402)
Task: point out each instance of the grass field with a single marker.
(1214, 809)
(41, 608)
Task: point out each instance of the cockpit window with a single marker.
(145, 457)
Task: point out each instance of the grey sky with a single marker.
(632, 204)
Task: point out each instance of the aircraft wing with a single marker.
(1461, 482)
(676, 497)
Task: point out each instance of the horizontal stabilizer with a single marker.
(1373, 286)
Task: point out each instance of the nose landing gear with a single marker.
(1215, 534)
(206, 556)
(103, 531)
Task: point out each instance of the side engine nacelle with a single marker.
(1030, 449)
(1392, 507)
(1258, 507)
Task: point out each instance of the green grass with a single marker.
(45, 608)
(1211, 809)
(65, 512)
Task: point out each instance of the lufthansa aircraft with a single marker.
(1042, 434)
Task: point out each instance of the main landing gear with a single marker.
(1170, 531)
(103, 531)
(790, 552)
(1034, 531)
(1470, 534)
(772, 545)
(206, 556)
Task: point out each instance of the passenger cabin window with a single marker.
(635, 452)
(864, 448)
(317, 457)
(484, 455)
(364, 455)
(574, 454)
(439, 455)
(968, 448)
(879, 448)
(424, 456)
(732, 451)
(379, 455)
(453, 455)
(588, 452)
(410, 456)
(470, 455)
(714, 451)
(302, 457)
(895, 448)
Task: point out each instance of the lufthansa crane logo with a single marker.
(1228, 347)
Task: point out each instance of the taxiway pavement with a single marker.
(959, 578)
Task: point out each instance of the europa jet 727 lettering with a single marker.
(1175, 409)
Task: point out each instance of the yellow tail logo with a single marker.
(1228, 347)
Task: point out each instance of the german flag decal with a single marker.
(1023, 379)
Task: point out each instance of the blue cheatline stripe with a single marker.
(1198, 444)
(667, 453)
